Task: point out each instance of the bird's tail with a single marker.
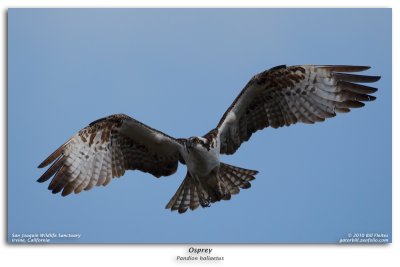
(235, 178)
(187, 196)
(219, 185)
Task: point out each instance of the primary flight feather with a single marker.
(277, 97)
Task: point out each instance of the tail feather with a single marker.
(237, 176)
(194, 198)
(173, 204)
(232, 188)
(218, 186)
(185, 197)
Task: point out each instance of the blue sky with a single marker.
(178, 71)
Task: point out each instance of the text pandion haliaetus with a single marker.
(278, 97)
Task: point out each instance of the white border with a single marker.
(154, 255)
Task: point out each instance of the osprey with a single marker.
(277, 97)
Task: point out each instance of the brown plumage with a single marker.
(102, 151)
(278, 97)
(284, 96)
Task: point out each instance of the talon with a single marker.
(205, 203)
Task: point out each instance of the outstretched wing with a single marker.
(104, 150)
(287, 95)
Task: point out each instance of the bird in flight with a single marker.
(280, 96)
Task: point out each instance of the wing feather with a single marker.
(97, 165)
(59, 162)
(105, 149)
(283, 96)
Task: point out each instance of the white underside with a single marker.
(200, 161)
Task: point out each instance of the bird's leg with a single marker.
(205, 199)
(205, 203)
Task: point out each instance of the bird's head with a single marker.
(195, 141)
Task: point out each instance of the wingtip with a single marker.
(345, 68)
(48, 160)
(40, 180)
(42, 165)
(55, 155)
(362, 68)
(374, 78)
